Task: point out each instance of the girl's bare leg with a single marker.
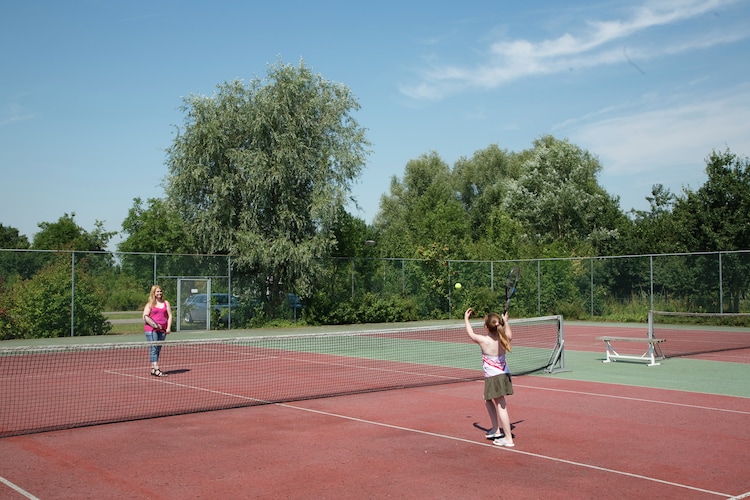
(492, 410)
(502, 411)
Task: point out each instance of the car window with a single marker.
(197, 299)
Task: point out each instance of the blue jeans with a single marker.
(153, 349)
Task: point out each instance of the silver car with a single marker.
(196, 307)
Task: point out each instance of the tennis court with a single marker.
(681, 429)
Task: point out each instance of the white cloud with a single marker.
(678, 134)
(665, 144)
(594, 45)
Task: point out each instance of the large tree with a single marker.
(557, 197)
(482, 182)
(421, 210)
(714, 217)
(652, 231)
(11, 238)
(260, 171)
(154, 227)
(14, 264)
(65, 234)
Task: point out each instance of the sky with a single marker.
(91, 90)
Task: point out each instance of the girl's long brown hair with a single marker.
(496, 325)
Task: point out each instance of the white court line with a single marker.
(18, 489)
(710, 408)
(511, 450)
(193, 387)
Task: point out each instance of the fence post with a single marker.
(539, 287)
(229, 292)
(651, 281)
(591, 266)
(721, 287)
(72, 293)
(403, 277)
(450, 292)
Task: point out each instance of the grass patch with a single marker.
(126, 328)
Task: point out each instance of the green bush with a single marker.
(41, 306)
(125, 294)
(481, 300)
(369, 308)
(6, 324)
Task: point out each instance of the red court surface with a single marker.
(574, 439)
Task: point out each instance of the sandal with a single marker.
(158, 373)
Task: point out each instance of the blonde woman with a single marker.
(157, 316)
(497, 383)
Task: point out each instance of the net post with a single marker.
(651, 323)
(556, 362)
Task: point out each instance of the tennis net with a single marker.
(699, 333)
(45, 388)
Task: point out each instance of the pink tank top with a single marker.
(160, 316)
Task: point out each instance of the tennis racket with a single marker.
(511, 283)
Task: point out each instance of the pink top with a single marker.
(158, 314)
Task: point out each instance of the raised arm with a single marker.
(508, 331)
(505, 332)
(469, 330)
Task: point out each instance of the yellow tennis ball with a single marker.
(458, 286)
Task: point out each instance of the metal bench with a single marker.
(652, 355)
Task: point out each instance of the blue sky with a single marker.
(91, 90)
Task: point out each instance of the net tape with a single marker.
(689, 333)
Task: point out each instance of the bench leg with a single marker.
(651, 353)
(611, 353)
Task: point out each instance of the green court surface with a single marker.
(682, 374)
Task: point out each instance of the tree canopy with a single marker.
(155, 227)
(65, 234)
(500, 205)
(557, 196)
(11, 238)
(715, 216)
(260, 171)
(421, 210)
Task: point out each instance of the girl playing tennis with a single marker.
(497, 383)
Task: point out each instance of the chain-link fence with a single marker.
(39, 282)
